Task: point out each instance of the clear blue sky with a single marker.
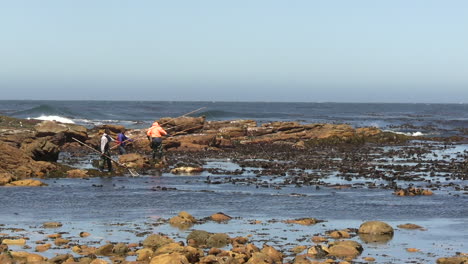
(247, 50)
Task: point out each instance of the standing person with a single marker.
(155, 134)
(122, 140)
(105, 151)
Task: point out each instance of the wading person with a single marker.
(155, 134)
(122, 141)
(105, 151)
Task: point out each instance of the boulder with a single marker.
(51, 224)
(155, 241)
(274, 254)
(183, 220)
(218, 240)
(172, 258)
(53, 128)
(198, 237)
(192, 254)
(375, 228)
(220, 217)
(345, 249)
(260, 258)
(19, 164)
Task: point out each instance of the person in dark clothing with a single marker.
(105, 151)
(122, 141)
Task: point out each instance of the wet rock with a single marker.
(274, 254)
(41, 149)
(345, 249)
(172, 258)
(61, 241)
(188, 170)
(410, 226)
(411, 191)
(43, 248)
(220, 217)
(27, 182)
(27, 257)
(192, 254)
(120, 249)
(134, 160)
(453, 260)
(375, 228)
(60, 258)
(77, 173)
(183, 220)
(318, 251)
(5, 178)
(51, 224)
(339, 234)
(84, 234)
(260, 258)
(155, 241)
(303, 221)
(218, 240)
(105, 250)
(198, 237)
(99, 261)
(17, 242)
(53, 128)
(144, 254)
(377, 239)
(6, 259)
(19, 164)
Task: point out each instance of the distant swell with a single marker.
(43, 109)
(217, 114)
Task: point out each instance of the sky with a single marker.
(246, 50)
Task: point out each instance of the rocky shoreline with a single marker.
(298, 154)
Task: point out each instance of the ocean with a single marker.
(411, 119)
(128, 209)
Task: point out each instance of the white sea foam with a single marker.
(411, 134)
(60, 119)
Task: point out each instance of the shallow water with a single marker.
(116, 209)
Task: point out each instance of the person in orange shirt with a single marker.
(155, 134)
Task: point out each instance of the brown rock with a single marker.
(172, 258)
(303, 221)
(453, 260)
(27, 182)
(77, 173)
(155, 241)
(220, 217)
(183, 221)
(340, 234)
(42, 248)
(84, 234)
(375, 228)
(134, 160)
(6, 178)
(18, 242)
(218, 240)
(51, 224)
(410, 226)
(186, 170)
(274, 254)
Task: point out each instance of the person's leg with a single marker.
(109, 162)
(122, 150)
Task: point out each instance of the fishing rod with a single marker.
(132, 172)
(194, 111)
